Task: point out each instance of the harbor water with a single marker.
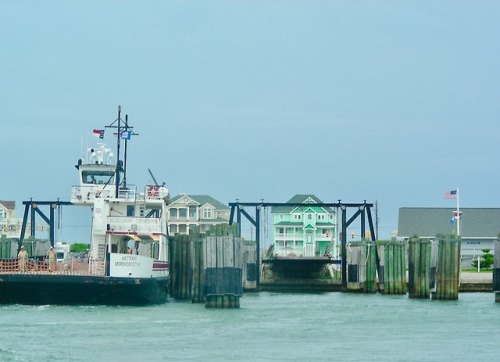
(267, 327)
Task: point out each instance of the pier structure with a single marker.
(362, 211)
(496, 271)
(207, 267)
(419, 267)
(446, 263)
(31, 209)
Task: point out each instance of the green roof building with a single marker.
(304, 231)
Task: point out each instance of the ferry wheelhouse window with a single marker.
(98, 177)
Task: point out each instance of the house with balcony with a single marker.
(303, 231)
(185, 212)
(9, 225)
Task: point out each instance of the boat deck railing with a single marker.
(69, 267)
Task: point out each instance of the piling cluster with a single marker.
(447, 269)
(496, 271)
(207, 268)
(419, 264)
(422, 267)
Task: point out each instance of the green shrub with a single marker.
(486, 260)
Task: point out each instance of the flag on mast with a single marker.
(451, 194)
(98, 133)
(457, 214)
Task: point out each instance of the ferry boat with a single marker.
(127, 261)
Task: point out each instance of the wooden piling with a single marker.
(419, 252)
(496, 270)
(181, 269)
(249, 264)
(355, 268)
(223, 273)
(198, 291)
(361, 267)
(448, 268)
(394, 267)
(371, 267)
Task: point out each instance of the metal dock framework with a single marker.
(362, 210)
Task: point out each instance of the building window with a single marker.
(309, 216)
(173, 213)
(192, 211)
(182, 229)
(207, 213)
(173, 229)
(280, 230)
(297, 217)
(183, 212)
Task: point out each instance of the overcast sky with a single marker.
(394, 102)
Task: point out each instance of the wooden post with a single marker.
(371, 267)
(496, 270)
(448, 269)
(198, 292)
(223, 271)
(354, 259)
(361, 267)
(181, 269)
(394, 267)
(418, 267)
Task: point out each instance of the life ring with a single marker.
(153, 191)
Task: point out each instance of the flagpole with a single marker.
(458, 212)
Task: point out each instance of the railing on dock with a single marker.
(70, 267)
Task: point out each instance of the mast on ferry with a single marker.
(121, 132)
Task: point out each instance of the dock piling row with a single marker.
(496, 271)
(419, 263)
(448, 269)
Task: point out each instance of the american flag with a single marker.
(451, 194)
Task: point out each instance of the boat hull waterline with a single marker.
(33, 289)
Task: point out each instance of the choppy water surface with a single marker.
(267, 327)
